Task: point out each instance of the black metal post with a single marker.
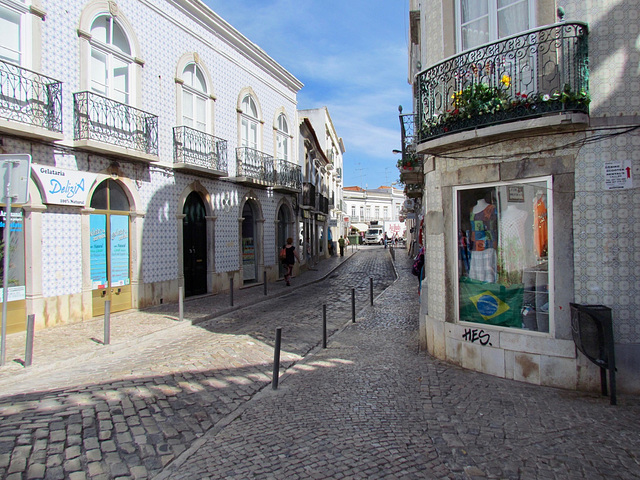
(353, 305)
(28, 356)
(231, 291)
(371, 289)
(324, 326)
(265, 282)
(107, 322)
(276, 359)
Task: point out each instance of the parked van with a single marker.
(374, 235)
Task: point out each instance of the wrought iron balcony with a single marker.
(193, 149)
(323, 204)
(309, 195)
(254, 167)
(538, 72)
(103, 120)
(288, 176)
(30, 98)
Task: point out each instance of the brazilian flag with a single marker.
(490, 303)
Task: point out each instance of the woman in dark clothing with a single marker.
(290, 259)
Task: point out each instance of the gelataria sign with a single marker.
(63, 187)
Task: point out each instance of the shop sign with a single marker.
(306, 214)
(321, 218)
(333, 222)
(63, 187)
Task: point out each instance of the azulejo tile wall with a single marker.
(164, 34)
(607, 222)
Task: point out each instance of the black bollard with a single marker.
(324, 326)
(276, 359)
(353, 305)
(265, 282)
(371, 289)
(181, 303)
(231, 290)
(107, 322)
(28, 356)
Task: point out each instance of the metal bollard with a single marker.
(181, 303)
(353, 305)
(28, 356)
(324, 326)
(371, 289)
(107, 322)
(265, 283)
(231, 290)
(276, 359)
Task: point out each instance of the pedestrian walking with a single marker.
(289, 260)
(341, 244)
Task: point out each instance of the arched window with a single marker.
(282, 138)
(249, 123)
(110, 59)
(194, 98)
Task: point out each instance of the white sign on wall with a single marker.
(618, 175)
(63, 187)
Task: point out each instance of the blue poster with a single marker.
(119, 250)
(98, 251)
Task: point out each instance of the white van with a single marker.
(374, 235)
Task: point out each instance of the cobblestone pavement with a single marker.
(195, 402)
(372, 406)
(86, 410)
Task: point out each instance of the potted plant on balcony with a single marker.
(408, 163)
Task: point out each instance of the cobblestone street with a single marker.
(178, 400)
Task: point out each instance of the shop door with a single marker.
(194, 236)
(249, 258)
(110, 248)
(283, 229)
(17, 306)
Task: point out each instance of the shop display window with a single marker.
(503, 254)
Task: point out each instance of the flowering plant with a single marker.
(487, 104)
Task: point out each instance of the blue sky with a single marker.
(351, 56)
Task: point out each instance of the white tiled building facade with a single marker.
(137, 60)
(579, 166)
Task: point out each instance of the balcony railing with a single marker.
(198, 149)
(30, 98)
(538, 72)
(255, 165)
(107, 121)
(309, 195)
(288, 175)
(323, 204)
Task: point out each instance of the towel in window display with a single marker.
(484, 235)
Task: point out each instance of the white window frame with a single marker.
(195, 95)
(112, 55)
(25, 32)
(282, 137)
(493, 21)
(454, 252)
(249, 124)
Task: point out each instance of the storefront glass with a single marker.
(503, 254)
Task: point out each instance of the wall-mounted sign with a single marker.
(63, 187)
(321, 218)
(617, 175)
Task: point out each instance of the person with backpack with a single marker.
(289, 256)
